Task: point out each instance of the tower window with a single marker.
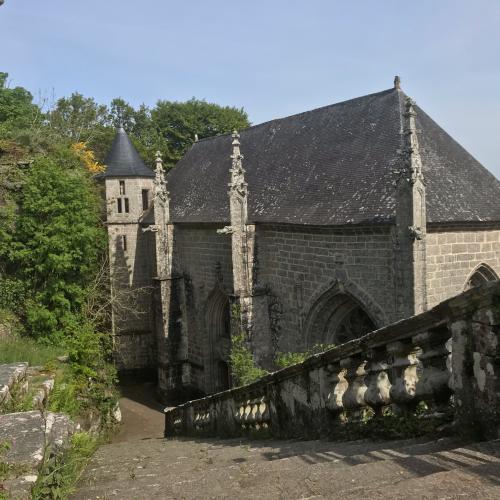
(122, 187)
(145, 199)
(126, 205)
(119, 205)
(124, 243)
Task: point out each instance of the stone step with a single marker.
(228, 452)
(12, 378)
(159, 474)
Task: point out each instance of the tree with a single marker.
(122, 114)
(78, 117)
(16, 105)
(56, 246)
(179, 122)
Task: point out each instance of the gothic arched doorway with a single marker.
(218, 325)
(335, 318)
(481, 275)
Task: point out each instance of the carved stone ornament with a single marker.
(225, 230)
(416, 233)
(237, 183)
(411, 154)
(161, 193)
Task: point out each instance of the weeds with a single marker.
(243, 366)
(285, 359)
(60, 473)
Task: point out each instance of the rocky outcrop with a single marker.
(28, 438)
(31, 437)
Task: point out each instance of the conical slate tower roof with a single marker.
(123, 160)
(333, 166)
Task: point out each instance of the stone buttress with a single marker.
(250, 310)
(174, 374)
(410, 229)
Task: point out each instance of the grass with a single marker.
(14, 349)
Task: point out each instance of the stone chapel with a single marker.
(311, 229)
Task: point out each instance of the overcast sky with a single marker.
(272, 57)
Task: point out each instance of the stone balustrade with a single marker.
(446, 360)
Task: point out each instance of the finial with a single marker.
(195, 137)
(158, 161)
(397, 82)
(236, 138)
(409, 105)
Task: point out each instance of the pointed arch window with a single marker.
(481, 275)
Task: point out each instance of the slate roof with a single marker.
(123, 160)
(333, 166)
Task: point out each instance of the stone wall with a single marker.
(203, 258)
(135, 351)
(453, 254)
(299, 264)
(445, 362)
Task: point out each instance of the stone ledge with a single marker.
(11, 375)
(30, 436)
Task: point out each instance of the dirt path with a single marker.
(142, 415)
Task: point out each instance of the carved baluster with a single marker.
(404, 375)
(240, 413)
(338, 387)
(246, 414)
(377, 380)
(353, 399)
(264, 412)
(254, 414)
(433, 383)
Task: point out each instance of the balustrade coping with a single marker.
(444, 312)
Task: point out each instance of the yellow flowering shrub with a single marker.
(87, 157)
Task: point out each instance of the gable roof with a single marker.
(123, 160)
(333, 166)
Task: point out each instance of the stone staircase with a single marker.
(29, 436)
(239, 468)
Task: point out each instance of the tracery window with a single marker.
(483, 274)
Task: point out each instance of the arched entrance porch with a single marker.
(337, 316)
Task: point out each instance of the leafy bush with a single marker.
(243, 365)
(284, 359)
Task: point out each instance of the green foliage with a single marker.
(61, 472)
(13, 294)
(16, 107)
(243, 365)
(284, 359)
(178, 122)
(54, 248)
(78, 117)
(387, 425)
(86, 385)
(15, 348)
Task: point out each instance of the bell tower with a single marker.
(129, 188)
